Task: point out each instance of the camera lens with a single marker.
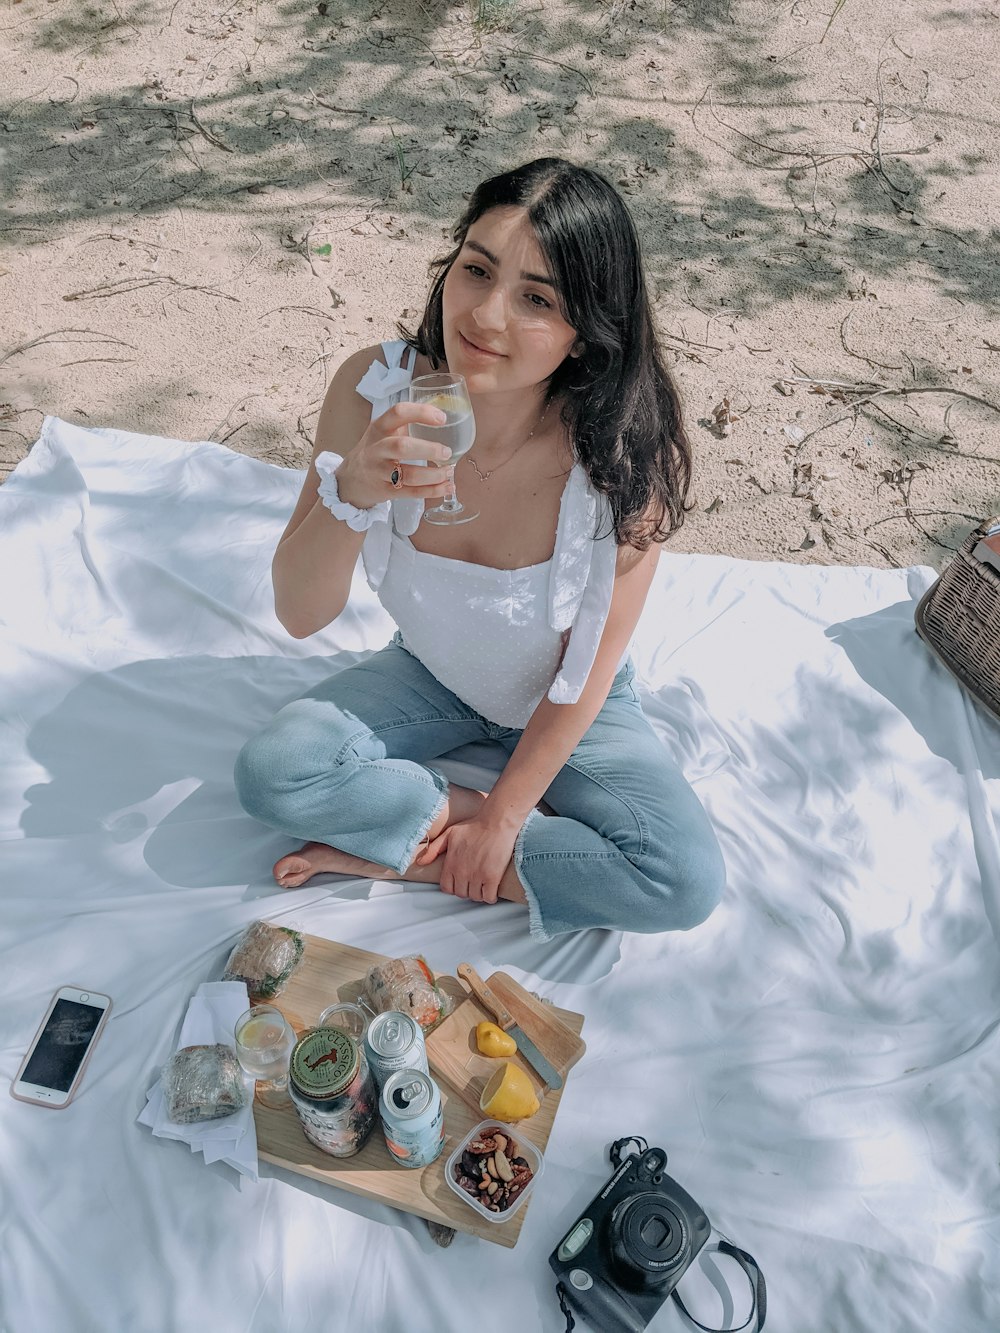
(648, 1240)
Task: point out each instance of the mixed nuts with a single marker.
(492, 1170)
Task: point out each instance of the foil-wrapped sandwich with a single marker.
(265, 957)
(203, 1083)
(407, 985)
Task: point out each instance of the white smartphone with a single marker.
(50, 1073)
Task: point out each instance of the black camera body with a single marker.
(633, 1243)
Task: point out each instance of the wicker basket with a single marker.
(958, 618)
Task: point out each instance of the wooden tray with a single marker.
(331, 972)
(452, 1051)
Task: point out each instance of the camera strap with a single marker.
(758, 1309)
(750, 1266)
(564, 1306)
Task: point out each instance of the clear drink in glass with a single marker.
(449, 393)
(264, 1041)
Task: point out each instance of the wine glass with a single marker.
(449, 393)
(264, 1041)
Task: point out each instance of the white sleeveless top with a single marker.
(494, 637)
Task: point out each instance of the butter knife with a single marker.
(505, 1020)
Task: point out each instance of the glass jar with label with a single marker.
(332, 1090)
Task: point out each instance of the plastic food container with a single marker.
(525, 1149)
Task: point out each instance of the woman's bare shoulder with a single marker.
(358, 362)
(344, 415)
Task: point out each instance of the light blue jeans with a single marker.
(628, 848)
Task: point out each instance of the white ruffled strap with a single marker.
(384, 385)
(570, 568)
(581, 598)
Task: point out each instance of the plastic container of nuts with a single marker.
(496, 1155)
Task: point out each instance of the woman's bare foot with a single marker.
(316, 858)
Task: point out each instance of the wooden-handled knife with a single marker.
(505, 1019)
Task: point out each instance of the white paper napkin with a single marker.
(211, 1017)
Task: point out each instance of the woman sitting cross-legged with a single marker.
(513, 626)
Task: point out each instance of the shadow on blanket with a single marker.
(144, 754)
(865, 641)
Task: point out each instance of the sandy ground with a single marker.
(206, 206)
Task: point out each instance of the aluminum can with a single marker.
(394, 1041)
(332, 1090)
(412, 1117)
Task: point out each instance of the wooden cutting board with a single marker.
(332, 972)
(453, 1054)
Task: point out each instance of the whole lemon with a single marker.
(493, 1041)
(509, 1095)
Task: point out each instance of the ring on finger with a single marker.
(396, 477)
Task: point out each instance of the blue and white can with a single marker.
(412, 1117)
(394, 1041)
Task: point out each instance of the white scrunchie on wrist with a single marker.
(358, 520)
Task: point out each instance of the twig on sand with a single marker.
(878, 170)
(126, 285)
(677, 338)
(301, 430)
(881, 392)
(53, 337)
(909, 390)
(308, 309)
(838, 6)
(816, 158)
(93, 360)
(544, 60)
(925, 513)
(206, 133)
(236, 407)
(230, 433)
(132, 240)
(332, 106)
(911, 516)
(881, 364)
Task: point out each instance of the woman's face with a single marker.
(503, 328)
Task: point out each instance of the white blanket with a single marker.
(820, 1059)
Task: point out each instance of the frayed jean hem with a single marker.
(410, 851)
(536, 927)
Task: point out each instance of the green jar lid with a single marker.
(324, 1062)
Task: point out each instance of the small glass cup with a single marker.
(264, 1041)
(351, 1018)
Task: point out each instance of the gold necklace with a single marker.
(485, 476)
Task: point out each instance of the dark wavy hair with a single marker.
(620, 405)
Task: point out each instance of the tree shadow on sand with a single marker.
(347, 117)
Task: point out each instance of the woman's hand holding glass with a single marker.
(388, 463)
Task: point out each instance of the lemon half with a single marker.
(493, 1041)
(509, 1095)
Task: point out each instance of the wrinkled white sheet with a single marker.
(820, 1059)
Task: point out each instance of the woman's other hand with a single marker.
(476, 855)
(387, 463)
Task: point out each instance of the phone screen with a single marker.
(62, 1046)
